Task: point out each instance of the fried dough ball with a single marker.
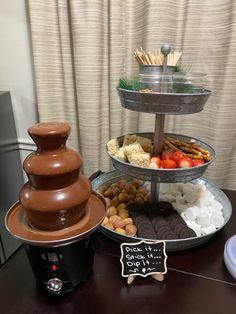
(116, 191)
(111, 211)
(123, 213)
(109, 226)
(121, 231)
(128, 221)
(143, 191)
(122, 183)
(105, 221)
(115, 201)
(130, 188)
(137, 183)
(131, 230)
(121, 206)
(108, 193)
(123, 197)
(118, 223)
(139, 195)
(102, 189)
(113, 218)
(131, 197)
(139, 200)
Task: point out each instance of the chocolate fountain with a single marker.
(57, 211)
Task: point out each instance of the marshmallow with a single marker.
(180, 199)
(209, 229)
(214, 211)
(173, 189)
(203, 219)
(170, 198)
(180, 187)
(188, 187)
(217, 220)
(217, 205)
(164, 188)
(204, 199)
(199, 188)
(191, 213)
(190, 197)
(162, 197)
(180, 207)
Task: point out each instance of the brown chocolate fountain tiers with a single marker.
(56, 195)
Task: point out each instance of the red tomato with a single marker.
(156, 160)
(197, 162)
(185, 162)
(176, 156)
(169, 163)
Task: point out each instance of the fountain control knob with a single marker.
(54, 285)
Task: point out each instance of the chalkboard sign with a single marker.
(143, 258)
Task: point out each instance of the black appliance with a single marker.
(59, 269)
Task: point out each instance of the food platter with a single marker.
(171, 245)
(164, 175)
(162, 103)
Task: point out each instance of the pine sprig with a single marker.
(130, 84)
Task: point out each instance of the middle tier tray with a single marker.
(164, 175)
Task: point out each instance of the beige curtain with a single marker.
(82, 47)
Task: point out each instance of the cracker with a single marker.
(113, 146)
(121, 154)
(133, 149)
(139, 159)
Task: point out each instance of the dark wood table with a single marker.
(196, 282)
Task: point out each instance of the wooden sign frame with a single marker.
(143, 251)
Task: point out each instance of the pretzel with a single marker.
(192, 150)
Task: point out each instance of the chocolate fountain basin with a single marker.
(18, 224)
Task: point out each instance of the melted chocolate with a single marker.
(56, 195)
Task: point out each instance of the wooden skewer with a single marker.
(156, 58)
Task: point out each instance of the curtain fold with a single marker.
(81, 49)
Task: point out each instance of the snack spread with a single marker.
(138, 150)
(184, 210)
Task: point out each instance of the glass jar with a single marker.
(151, 77)
(162, 83)
(189, 83)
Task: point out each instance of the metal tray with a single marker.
(163, 103)
(171, 245)
(164, 175)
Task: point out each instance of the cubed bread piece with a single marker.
(113, 146)
(146, 144)
(129, 139)
(139, 159)
(133, 149)
(121, 154)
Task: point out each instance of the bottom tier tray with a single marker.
(171, 245)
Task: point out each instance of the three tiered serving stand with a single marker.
(161, 104)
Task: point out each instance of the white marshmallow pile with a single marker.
(196, 205)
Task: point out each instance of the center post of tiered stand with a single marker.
(159, 128)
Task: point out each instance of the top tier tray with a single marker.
(163, 103)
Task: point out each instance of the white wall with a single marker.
(16, 74)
